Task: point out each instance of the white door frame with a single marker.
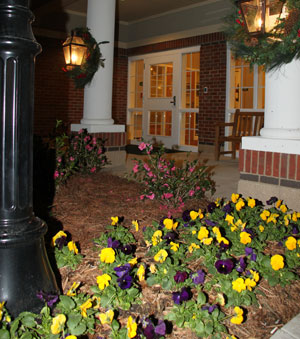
(176, 118)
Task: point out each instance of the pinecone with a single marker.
(291, 20)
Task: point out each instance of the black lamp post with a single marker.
(260, 16)
(24, 265)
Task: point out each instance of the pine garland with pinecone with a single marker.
(272, 49)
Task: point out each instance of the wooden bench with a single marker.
(244, 124)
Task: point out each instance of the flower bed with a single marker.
(209, 265)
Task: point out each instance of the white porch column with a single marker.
(97, 115)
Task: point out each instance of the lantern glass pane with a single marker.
(252, 11)
(273, 12)
(67, 54)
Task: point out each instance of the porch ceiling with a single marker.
(127, 10)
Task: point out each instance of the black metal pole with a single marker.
(24, 265)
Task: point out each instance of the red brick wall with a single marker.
(270, 167)
(55, 95)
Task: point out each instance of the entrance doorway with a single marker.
(163, 98)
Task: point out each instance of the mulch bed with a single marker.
(84, 207)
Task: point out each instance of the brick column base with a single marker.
(266, 174)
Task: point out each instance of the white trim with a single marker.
(172, 36)
(181, 9)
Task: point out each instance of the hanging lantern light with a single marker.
(260, 16)
(74, 50)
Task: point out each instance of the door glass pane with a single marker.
(189, 128)
(134, 127)
(190, 80)
(161, 80)
(160, 123)
(136, 74)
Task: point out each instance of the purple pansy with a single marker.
(170, 236)
(224, 266)
(183, 295)
(186, 216)
(227, 208)
(210, 223)
(272, 200)
(248, 250)
(180, 276)
(242, 265)
(61, 242)
(113, 243)
(295, 229)
(48, 298)
(198, 277)
(127, 249)
(122, 270)
(211, 207)
(253, 257)
(209, 308)
(160, 328)
(125, 281)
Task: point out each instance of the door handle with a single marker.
(174, 100)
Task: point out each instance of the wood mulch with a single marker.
(84, 207)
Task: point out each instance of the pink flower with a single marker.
(197, 188)
(298, 33)
(100, 150)
(93, 169)
(59, 159)
(168, 195)
(142, 146)
(80, 131)
(94, 141)
(56, 174)
(72, 159)
(142, 197)
(166, 185)
(192, 169)
(173, 168)
(87, 138)
(147, 168)
(151, 196)
(191, 193)
(150, 174)
(135, 168)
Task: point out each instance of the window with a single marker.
(247, 86)
(161, 79)
(160, 123)
(190, 98)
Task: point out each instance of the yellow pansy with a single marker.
(135, 224)
(103, 281)
(216, 231)
(231, 337)
(72, 247)
(133, 261)
(203, 233)
(141, 273)
(251, 203)
(238, 318)
(277, 262)
(287, 218)
(283, 208)
(1, 309)
(71, 337)
(58, 323)
(174, 246)
(114, 220)
(107, 255)
(200, 214)
(272, 218)
(85, 306)
(255, 275)
(278, 203)
(170, 224)
(192, 247)
(161, 256)
(245, 238)
(152, 268)
(240, 204)
(234, 197)
(261, 228)
(207, 241)
(58, 235)
(194, 232)
(96, 302)
(224, 240)
(229, 219)
(156, 237)
(131, 328)
(107, 317)
(265, 214)
(72, 291)
(239, 285)
(250, 283)
(193, 215)
(294, 216)
(291, 243)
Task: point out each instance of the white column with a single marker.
(281, 132)
(282, 112)
(97, 115)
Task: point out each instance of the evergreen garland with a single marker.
(83, 75)
(273, 49)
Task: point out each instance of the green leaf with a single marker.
(67, 302)
(209, 328)
(115, 325)
(105, 300)
(180, 320)
(166, 284)
(4, 334)
(79, 330)
(28, 321)
(201, 299)
(199, 327)
(133, 292)
(73, 320)
(26, 335)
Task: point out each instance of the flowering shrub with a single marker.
(209, 263)
(80, 152)
(169, 184)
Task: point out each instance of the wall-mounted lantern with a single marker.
(74, 50)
